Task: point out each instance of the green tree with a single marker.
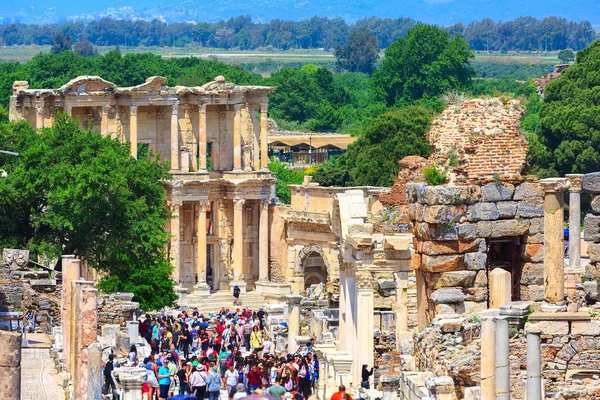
(424, 65)
(85, 48)
(74, 192)
(359, 54)
(566, 56)
(61, 43)
(285, 177)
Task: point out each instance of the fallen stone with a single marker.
(528, 191)
(482, 212)
(596, 205)
(497, 192)
(447, 296)
(591, 289)
(591, 183)
(450, 325)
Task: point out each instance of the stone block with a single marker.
(450, 325)
(467, 231)
(443, 263)
(497, 192)
(475, 306)
(528, 209)
(528, 191)
(437, 214)
(536, 225)
(452, 279)
(447, 296)
(476, 294)
(532, 292)
(594, 251)
(591, 183)
(426, 231)
(507, 209)
(585, 328)
(532, 274)
(533, 252)
(440, 247)
(447, 195)
(442, 309)
(537, 238)
(549, 327)
(412, 190)
(591, 289)
(473, 393)
(596, 205)
(591, 226)
(513, 227)
(482, 212)
(475, 261)
(481, 279)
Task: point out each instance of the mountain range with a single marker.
(441, 12)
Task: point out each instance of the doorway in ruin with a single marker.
(505, 253)
(311, 262)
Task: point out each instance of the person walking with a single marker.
(198, 382)
(213, 384)
(164, 380)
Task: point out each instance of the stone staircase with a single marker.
(220, 299)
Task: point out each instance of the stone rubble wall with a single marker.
(11, 289)
(43, 295)
(591, 184)
(116, 309)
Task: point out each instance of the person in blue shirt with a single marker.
(164, 380)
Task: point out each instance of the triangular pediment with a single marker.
(87, 84)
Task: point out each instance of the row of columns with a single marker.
(175, 148)
(238, 242)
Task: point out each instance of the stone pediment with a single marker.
(152, 84)
(219, 85)
(86, 84)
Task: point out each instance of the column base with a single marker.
(241, 284)
(202, 289)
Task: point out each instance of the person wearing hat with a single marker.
(198, 382)
(164, 380)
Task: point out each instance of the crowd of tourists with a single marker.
(200, 355)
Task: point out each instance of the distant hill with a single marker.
(441, 12)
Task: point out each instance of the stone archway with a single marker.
(312, 264)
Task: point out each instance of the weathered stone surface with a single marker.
(591, 289)
(416, 261)
(447, 296)
(533, 252)
(467, 231)
(475, 261)
(482, 212)
(586, 328)
(596, 204)
(446, 247)
(439, 214)
(497, 192)
(476, 294)
(591, 183)
(444, 309)
(537, 238)
(549, 327)
(532, 274)
(507, 209)
(440, 195)
(593, 251)
(532, 292)
(481, 279)
(443, 263)
(536, 225)
(528, 209)
(528, 191)
(591, 226)
(452, 279)
(502, 228)
(427, 231)
(451, 325)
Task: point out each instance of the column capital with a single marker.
(133, 110)
(202, 107)
(294, 299)
(264, 107)
(174, 205)
(364, 281)
(238, 204)
(39, 107)
(237, 107)
(202, 204)
(175, 108)
(69, 109)
(264, 203)
(106, 110)
(575, 180)
(555, 185)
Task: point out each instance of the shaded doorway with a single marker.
(505, 253)
(315, 270)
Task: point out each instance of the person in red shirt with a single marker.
(255, 377)
(339, 395)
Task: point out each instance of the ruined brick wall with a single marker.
(410, 171)
(481, 138)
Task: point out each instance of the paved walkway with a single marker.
(39, 380)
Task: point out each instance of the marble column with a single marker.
(534, 365)
(264, 152)
(401, 280)
(175, 238)
(133, 131)
(175, 137)
(71, 271)
(104, 111)
(39, 115)
(575, 220)
(238, 242)
(554, 269)
(364, 325)
(237, 137)
(263, 242)
(488, 352)
(10, 365)
(502, 375)
(202, 285)
(202, 137)
(293, 321)
(342, 309)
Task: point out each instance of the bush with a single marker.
(434, 176)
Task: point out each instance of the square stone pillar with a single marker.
(84, 325)
(202, 137)
(364, 326)
(264, 149)
(175, 207)
(401, 280)
(71, 271)
(422, 300)
(342, 309)
(238, 244)
(175, 137)
(133, 128)
(575, 220)
(554, 269)
(293, 321)
(185, 159)
(201, 286)
(263, 242)
(500, 288)
(237, 137)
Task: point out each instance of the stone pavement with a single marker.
(39, 380)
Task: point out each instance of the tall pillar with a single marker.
(238, 243)
(69, 110)
(104, 111)
(71, 271)
(422, 300)
(264, 152)
(39, 114)
(534, 365)
(237, 137)
(488, 357)
(202, 286)
(202, 137)
(133, 131)
(175, 137)
(575, 220)
(10, 365)
(364, 325)
(263, 241)
(342, 308)
(502, 378)
(401, 279)
(84, 325)
(175, 238)
(293, 321)
(554, 269)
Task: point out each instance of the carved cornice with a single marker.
(555, 185)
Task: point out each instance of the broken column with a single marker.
(131, 380)
(10, 365)
(500, 287)
(94, 371)
(554, 269)
(501, 360)
(534, 365)
(575, 220)
(390, 385)
(488, 357)
(293, 321)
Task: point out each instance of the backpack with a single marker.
(223, 364)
